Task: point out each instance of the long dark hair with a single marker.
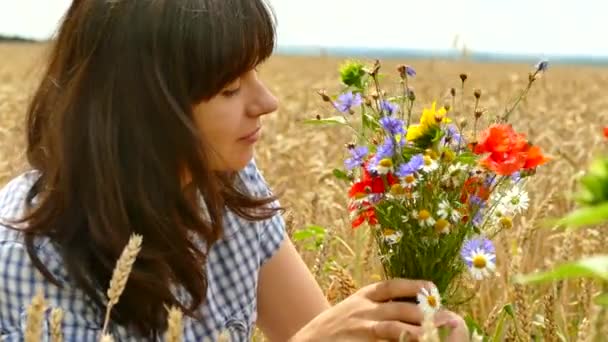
(111, 131)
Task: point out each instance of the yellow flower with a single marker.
(430, 118)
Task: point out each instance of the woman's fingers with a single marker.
(395, 331)
(395, 288)
(400, 311)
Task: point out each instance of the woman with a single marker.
(145, 122)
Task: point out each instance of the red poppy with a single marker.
(474, 186)
(371, 184)
(364, 211)
(606, 132)
(508, 151)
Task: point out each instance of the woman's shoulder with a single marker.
(13, 203)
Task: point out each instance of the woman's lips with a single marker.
(253, 136)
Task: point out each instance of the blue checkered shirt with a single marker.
(232, 268)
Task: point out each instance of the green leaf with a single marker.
(334, 120)
(466, 158)
(586, 216)
(302, 234)
(472, 325)
(602, 299)
(339, 174)
(594, 267)
(500, 326)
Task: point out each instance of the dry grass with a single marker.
(564, 115)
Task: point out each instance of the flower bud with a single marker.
(463, 77)
(350, 146)
(324, 95)
(477, 93)
(447, 107)
(453, 92)
(411, 95)
(318, 117)
(478, 113)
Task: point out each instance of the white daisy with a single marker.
(424, 218)
(391, 236)
(446, 211)
(442, 226)
(515, 200)
(429, 301)
(480, 256)
(384, 166)
(409, 181)
(429, 165)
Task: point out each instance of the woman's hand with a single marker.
(369, 315)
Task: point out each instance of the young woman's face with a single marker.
(230, 121)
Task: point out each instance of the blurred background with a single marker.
(495, 42)
(482, 29)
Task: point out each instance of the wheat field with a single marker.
(564, 114)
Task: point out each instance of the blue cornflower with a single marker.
(348, 100)
(410, 71)
(414, 165)
(453, 136)
(386, 150)
(516, 177)
(477, 202)
(393, 125)
(542, 66)
(480, 256)
(388, 107)
(356, 159)
(478, 218)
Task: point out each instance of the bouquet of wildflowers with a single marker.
(433, 187)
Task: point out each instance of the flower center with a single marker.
(397, 189)
(441, 225)
(424, 214)
(409, 179)
(388, 232)
(386, 163)
(427, 160)
(505, 222)
(479, 261)
(515, 201)
(432, 301)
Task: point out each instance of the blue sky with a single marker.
(532, 27)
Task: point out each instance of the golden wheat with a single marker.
(56, 319)
(174, 325)
(121, 274)
(35, 318)
(563, 114)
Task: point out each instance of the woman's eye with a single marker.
(231, 92)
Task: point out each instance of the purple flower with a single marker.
(410, 71)
(386, 150)
(516, 177)
(489, 181)
(392, 125)
(356, 159)
(347, 100)
(388, 107)
(477, 202)
(452, 136)
(412, 166)
(478, 218)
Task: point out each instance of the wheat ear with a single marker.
(35, 318)
(56, 318)
(174, 325)
(121, 274)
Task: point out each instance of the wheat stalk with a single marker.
(35, 318)
(56, 318)
(429, 330)
(174, 325)
(121, 274)
(106, 338)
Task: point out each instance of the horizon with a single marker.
(542, 29)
